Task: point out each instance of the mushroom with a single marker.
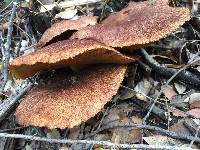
(137, 25)
(66, 53)
(67, 99)
(65, 26)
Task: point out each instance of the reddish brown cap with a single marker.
(66, 100)
(65, 26)
(138, 24)
(66, 53)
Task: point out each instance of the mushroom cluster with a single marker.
(69, 98)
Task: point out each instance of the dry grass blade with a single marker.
(68, 100)
(137, 25)
(66, 53)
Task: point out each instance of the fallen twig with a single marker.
(29, 31)
(6, 53)
(44, 7)
(155, 64)
(148, 127)
(195, 137)
(6, 7)
(102, 143)
(184, 76)
(1, 41)
(73, 3)
(11, 129)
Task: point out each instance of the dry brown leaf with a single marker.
(194, 97)
(67, 14)
(127, 94)
(194, 112)
(143, 88)
(179, 88)
(180, 129)
(176, 112)
(169, 92)
(4, 26)
(54, 134)
(74, 133)
(195, 104)
(116, 114)
(162, 141)
(47, 7)
(178, 101)
(126, 135)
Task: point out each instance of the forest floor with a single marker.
(157, 105)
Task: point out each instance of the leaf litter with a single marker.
(176, 110)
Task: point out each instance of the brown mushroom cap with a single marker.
(138, 24)
(66, 100)
(66, 53)
(65, 25)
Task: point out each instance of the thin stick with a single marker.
(147, 127)
(24, 32)
(12, 129)
(163, 87)
(6, 7)
(6, 54)
(103, 143)
(1, 43)
(137, 91)
(45, 8)
(195, 137)
(74, 3)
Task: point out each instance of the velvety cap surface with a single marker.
(66, 100)
(66, 53)
(65, 26)
(138, 24)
